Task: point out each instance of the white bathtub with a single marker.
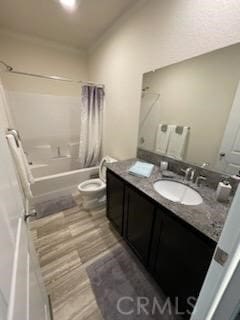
(58, 177)
(54, 166)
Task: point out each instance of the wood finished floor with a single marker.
(66, 243)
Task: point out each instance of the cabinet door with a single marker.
(139, 212)
(115, 201)
(182, 260)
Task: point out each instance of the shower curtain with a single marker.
(91, 127)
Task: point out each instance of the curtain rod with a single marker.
(11, 70)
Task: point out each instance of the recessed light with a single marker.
(69, 4)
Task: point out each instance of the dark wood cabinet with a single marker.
(180, 259)
(139, 217)
(176, 254)
(115, 201)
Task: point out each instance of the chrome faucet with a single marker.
(199, 179)
(187, 172)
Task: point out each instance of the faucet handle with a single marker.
(192, 174)
(187, 172)
(204, 165)
(199, 179)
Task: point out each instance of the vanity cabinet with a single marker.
(139, 216)
(180, 258)
(115, 201)
(176, 254)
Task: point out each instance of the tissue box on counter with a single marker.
(141, 169)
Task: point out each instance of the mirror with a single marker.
(190, 110)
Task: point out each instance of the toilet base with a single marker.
(94, 203)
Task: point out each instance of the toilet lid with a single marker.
(102, 167)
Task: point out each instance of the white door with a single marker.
(21, 293)
(229, 153)
(219, 298)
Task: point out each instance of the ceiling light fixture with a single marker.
(69, 4)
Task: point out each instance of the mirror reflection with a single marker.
(190, 110)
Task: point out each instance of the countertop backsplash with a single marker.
(213, 177)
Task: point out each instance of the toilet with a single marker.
(93, 191)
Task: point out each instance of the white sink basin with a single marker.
(178, 192)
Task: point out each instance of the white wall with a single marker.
(157, 33)
(45, 119)
(35, 55)
(43, 109)
(4, 110)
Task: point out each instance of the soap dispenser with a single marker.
(223, 190)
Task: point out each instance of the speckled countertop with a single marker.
(208, 217)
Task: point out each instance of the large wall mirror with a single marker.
(191, 110)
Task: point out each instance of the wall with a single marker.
(4, 110)
(46, 119)
(35, 55)
(197, 93)
(51, 105)
(155, 34)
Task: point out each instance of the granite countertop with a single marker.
(208, 217)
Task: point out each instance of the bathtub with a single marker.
(58, 176)
(54, 166)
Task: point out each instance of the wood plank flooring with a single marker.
(66, 243)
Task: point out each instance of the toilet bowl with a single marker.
(93, 191)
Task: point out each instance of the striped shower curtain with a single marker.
(91, 127)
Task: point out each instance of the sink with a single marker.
(178, 192)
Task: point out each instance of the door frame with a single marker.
(221, 285)
(225, 147)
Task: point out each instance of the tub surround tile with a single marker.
(208, 217)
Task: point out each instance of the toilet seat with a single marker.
(93, 190)
(92, 186)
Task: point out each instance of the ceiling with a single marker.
(49, 20)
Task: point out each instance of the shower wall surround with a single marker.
(45, 119)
